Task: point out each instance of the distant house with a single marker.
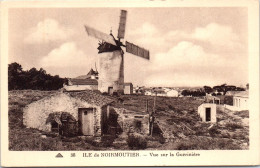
(166, 89)
(231, 93)
(212, 99)
(92, 74)
(161, 93)
(148, 92)
(81, 84)
(240, 100)
(208, 112)
(139, 90)
(128, 88)
(172, 93)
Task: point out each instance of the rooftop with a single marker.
(232, 92)
(128, 83)
(242, 94)
(89, 74)
(91, 97)
(84, 81)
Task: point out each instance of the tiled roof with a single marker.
(129, 83)
(92, 72)
(91, 97)
(84, 81)
(88, 76)
(242, 94)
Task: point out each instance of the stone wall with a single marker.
(36, 113)
(131, 122)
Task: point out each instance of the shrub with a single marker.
(107, 141)
(136, 141)
(233, 126)
(214, 131)
(160, 108)
(171, 107)
(243, 114)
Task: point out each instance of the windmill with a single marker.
(111, 57)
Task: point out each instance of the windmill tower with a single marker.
(111, 57)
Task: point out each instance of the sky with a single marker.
(188, 46)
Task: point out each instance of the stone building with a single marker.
(86, 112)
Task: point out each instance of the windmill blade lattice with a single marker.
(100, 35)
(122, 24)
(136, 50)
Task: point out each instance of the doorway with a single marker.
(86, 121)
(208, 114)
(110, 90)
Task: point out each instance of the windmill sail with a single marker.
(122, 23)
(100, 35)
(136, 50)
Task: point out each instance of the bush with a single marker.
(233, 126)
(136, 141)
(107, 140)
(214, 131)
(243, 114)
(171, 107)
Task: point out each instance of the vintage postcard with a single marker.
(122, 83)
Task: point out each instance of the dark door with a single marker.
(87, 121)
(110, 90)
(208, 114)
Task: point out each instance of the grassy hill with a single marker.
(178, 126)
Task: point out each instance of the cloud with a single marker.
(146, 29)
(46, 31)
(213, 33)
(185, 53)
(216, 34)
(147, 36)
(66, 56)
(189, 64)
(202, 55)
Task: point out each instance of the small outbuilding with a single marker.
(128, 88)
(78, 113)
(207, 112)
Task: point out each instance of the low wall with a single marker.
(232, 108)
(130, 122)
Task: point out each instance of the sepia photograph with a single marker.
(129, 79)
